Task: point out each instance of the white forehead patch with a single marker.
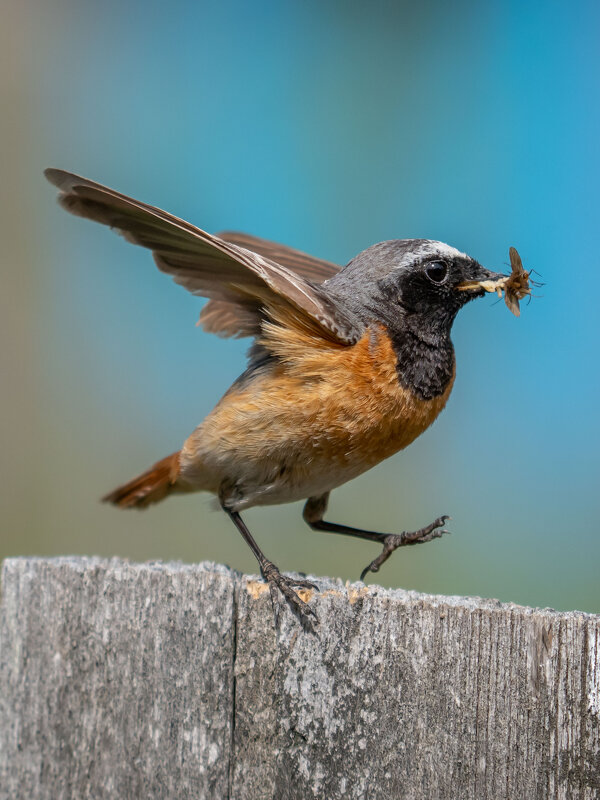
(433, 248)
(426, 249)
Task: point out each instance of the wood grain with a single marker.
(173, 681)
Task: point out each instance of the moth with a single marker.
(515, 286)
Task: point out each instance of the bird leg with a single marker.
(273, 576)
(315, 507)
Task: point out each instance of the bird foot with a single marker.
(285, 584)
(395, 540)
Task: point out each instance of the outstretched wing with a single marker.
(232, 276)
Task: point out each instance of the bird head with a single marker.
(412, 283)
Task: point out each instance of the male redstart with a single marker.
(347, 367)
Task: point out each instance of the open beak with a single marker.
(515, 286)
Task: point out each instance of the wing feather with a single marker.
(208, 265)
(314, 269)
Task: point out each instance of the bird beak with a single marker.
(484, 279)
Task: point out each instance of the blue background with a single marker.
(327, 126)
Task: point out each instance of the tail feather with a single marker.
(151, 486)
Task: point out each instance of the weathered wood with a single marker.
(172, 681)
(116, 680)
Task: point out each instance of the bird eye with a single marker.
(436, 271)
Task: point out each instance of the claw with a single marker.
(284, 584)
(396, 540)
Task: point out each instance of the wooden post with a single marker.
(122, 680)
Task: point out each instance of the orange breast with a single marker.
(323, 414)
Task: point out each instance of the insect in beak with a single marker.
(515, 286)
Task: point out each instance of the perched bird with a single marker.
(347, 367)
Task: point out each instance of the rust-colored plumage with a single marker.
(319, 416)
(150, 487)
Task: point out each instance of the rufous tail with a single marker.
(151, 486)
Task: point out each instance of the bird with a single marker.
(347, 366)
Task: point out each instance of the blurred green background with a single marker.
(327, 126)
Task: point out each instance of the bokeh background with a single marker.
(327, 126)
